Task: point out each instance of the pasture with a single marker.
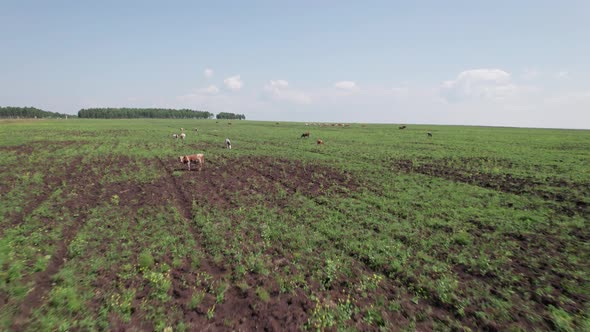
(102, 228)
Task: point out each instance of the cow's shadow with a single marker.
(186, 170)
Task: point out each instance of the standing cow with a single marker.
(228, 143)
(193, 159)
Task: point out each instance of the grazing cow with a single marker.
(193, 159)
(402, 127)
(228, 143)
(320, 141)
(182, 136)
(175, 136)
(429, 134)
(305, 134)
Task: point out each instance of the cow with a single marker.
(320, 141)
(305, 134)
(193, 159)
(175, 136)
(402, 127)
(182, 136)
(228, 143)
(429, 134)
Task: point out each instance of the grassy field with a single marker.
(475, 228)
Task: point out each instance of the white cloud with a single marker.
(530, 74)
(345, 85)
(233, 83)
(400, 92)
(488, 84)
(211, 89)
(562, 74)
(279, 90)
(208, 72)
(279, 83)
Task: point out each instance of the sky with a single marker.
(494, 63)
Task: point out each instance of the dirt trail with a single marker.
(215, 187)
(86, 185)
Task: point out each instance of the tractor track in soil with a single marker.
(508, 183)
(81, 205)
(236, 304)
(407, 281)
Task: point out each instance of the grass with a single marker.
(379, 228)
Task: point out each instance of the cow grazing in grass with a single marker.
(175, 136)
(402, 127)
(320, 141)
(228, 143)
(429, 134)
(305, 134)
(182, 136)
(193, 159)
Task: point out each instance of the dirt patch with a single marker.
(84, 194)
(569, 196)
(226, 183)
(35, 146)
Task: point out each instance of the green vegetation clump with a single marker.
(145, 260)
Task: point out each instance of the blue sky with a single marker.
(510, 63)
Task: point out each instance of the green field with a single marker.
(475, 228)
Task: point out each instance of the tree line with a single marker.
(230, 116)
(135, 113)
(27, 112)
(118, 113)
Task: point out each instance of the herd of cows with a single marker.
(199, 158)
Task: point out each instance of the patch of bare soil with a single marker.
(567, 201)
(23, 165)
(45, 146)
(85, 194)
(225, 184)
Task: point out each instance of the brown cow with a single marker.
(305, 134)
(320, 141)
(193, 159)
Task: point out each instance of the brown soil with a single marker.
(225, 183)
(562, 194)
(88, 194)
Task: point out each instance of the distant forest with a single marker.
(28, 112)
(118, 113)
(230, 116)
(134, 113)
